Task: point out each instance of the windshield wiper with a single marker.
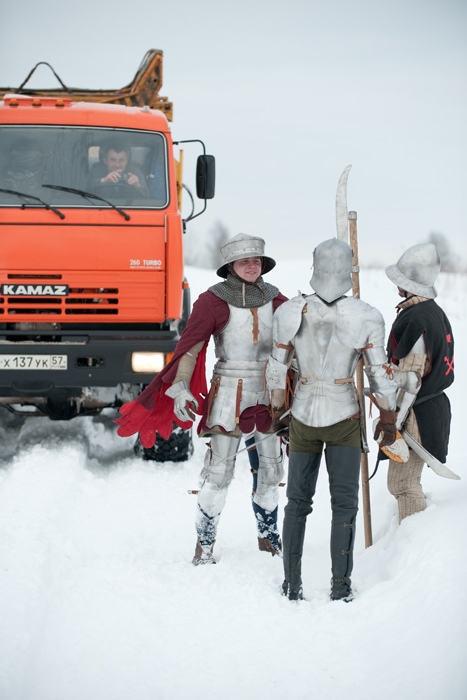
(31, 196)
(90, 195)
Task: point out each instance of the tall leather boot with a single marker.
(343, 465)
(342, 543)
(301, 486)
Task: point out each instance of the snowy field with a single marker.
(99, 600)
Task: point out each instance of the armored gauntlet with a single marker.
(386, 425)
(182, 396)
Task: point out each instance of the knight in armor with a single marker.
(328, 332)
(421, 344)
(238, 313)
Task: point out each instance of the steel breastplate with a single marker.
(240, 358)
(236, 340)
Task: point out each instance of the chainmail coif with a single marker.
(242, 294)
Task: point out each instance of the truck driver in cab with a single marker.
(113, 169)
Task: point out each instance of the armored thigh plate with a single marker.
(270, 472)
(219, 462)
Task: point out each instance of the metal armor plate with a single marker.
(328, 347)
(240, 358)
(287, 321)
(236, 339)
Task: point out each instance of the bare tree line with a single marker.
(203, 249)
(450, 262)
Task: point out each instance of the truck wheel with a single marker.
(178, 448)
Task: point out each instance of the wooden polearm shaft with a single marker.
(359, 372)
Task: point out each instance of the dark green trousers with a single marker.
(343, 465)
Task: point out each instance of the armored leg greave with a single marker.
(301, 486)
(218, 471)
(266, 465)
(215, 479)
(343, 465)
(404, 484)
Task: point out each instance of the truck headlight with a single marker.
(147, 362)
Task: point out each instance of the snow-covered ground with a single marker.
(99, 600)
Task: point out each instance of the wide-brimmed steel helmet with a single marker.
(332, 268)
(416, 270)
(244, 246)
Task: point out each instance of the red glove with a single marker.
(134, 414)
(136, 419)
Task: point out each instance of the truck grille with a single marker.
(79, 298)
(90, 302)
(90, 296)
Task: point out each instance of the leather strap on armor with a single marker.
(213, 394)
(238, 401)
(255, 330)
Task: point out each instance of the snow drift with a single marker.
(99, 600)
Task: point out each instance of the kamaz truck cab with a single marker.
(92, 290)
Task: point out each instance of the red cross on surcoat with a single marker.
(450, 365)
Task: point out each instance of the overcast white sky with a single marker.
(285, 95)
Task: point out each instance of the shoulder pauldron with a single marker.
(287, 320)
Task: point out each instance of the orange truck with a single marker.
(92, 290)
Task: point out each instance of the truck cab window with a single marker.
(126, 167)
(23, 166)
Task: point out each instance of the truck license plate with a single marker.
(33, 362)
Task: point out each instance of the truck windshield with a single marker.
(129, 168)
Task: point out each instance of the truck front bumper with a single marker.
(92, 360)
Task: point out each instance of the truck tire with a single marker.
(178, 448)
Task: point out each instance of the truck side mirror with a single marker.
(205, 177)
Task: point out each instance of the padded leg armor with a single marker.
(343, 465)
(215, 479)
(301, 486)
(266, 462)
(404, 484)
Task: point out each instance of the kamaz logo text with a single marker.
(39, 290)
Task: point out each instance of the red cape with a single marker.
(153, 410)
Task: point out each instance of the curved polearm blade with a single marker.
(342, 215)
(437, 466)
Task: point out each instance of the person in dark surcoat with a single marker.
(421, 345)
